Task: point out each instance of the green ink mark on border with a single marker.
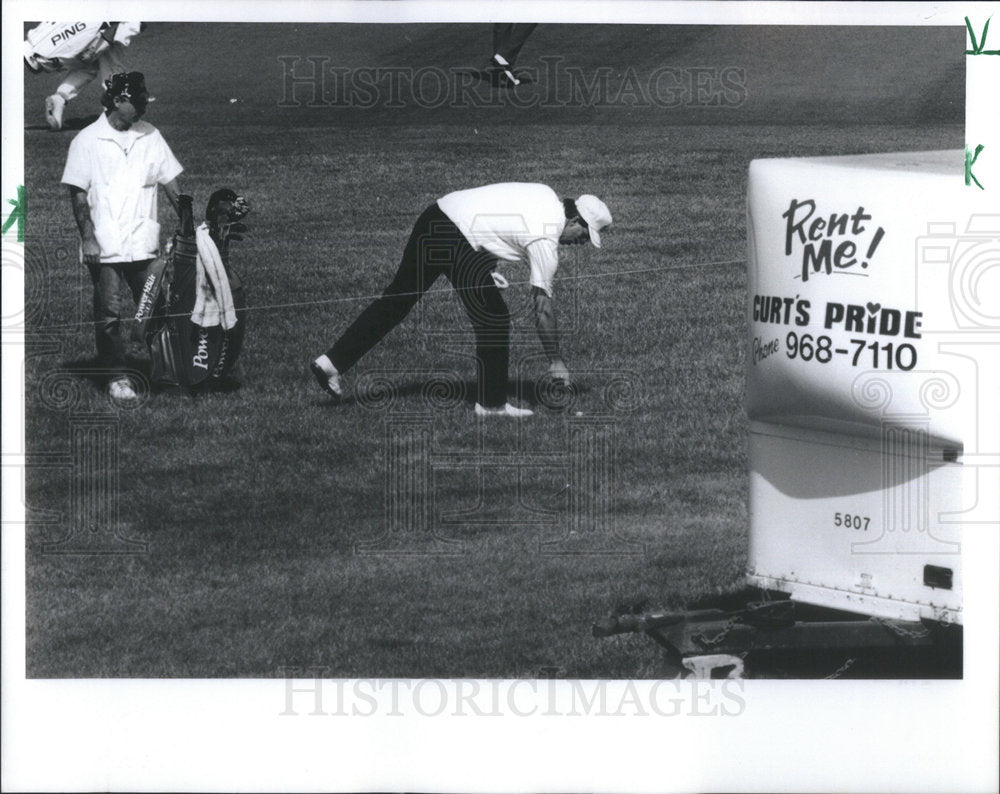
(19, 214)
(970, 160)
(979, 48)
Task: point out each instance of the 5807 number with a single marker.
(851, 521)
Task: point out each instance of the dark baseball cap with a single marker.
(128, 85)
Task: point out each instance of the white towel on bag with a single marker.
(214, 302)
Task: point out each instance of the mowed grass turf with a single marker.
(284, 532)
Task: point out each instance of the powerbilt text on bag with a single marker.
(182, 352)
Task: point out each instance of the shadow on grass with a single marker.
(492, 77)
(90, 370)
(534, 393)
(69, 125)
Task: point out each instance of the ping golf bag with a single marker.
(183, 353)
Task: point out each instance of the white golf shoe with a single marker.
(506, 410)
(54, 106)
(120, 390)
(504, 71)
(327, 377)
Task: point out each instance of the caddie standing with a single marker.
(464, 236)
(113, 171)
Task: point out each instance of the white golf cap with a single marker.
(597, 215)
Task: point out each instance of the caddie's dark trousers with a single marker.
(437, 248)
(107, 278)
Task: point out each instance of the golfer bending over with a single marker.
(462, 236)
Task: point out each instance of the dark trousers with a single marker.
(107, 278)
(437, 248)
(509, 38)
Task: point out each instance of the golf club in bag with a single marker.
(182, 352)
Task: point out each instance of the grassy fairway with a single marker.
(257, 506)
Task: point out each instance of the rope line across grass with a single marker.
(442, 291)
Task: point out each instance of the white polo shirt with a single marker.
(514, 221)
(121, 172)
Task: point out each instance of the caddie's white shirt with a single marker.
(514, 221)
(121, 172)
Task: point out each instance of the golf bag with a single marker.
(182, 352)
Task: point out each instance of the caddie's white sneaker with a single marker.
(120, 390)
(54, 106)
(506, 410)
(327, 377)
